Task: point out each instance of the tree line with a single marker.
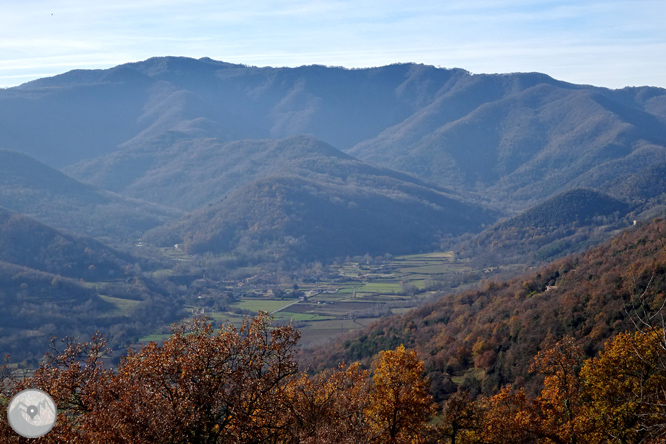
(242, 385)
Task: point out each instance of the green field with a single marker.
(269, 305)
(124, 307)
(428, 269)
(154, 338)
(226, 318)
(287, 315)
(162, 273)
(323, 331)
(448, 255)
(380, 287)
(365, 292)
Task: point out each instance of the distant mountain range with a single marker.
(188, 172)
(524, 137)
(324, 206)
(28, 243)
(28, 186)
(225, 142)
(561, 224)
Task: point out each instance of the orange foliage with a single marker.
(400, 402)
(207, 385)
(329, 407)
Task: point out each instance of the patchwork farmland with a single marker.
(355, 294)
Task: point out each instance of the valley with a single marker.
(476, 219)
(326, 301)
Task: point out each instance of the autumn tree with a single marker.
(461, 419)
(225, 385)
(73, 374)
(508, 417)
(559, 407)
(329, 407)
(625, 387)
(557, 415)
(203, 385)
(400, 403)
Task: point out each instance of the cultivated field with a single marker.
(356, 295)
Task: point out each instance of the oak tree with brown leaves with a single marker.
(400, 402)
(203, 385)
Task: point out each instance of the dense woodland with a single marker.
(565, 223)
(26, 242)
(34, 189)
(318, 220)
(206, 385)
(483, 340)
(134, 197)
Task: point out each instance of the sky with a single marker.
(605, 43)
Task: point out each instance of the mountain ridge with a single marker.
(568, 222)
(501, 135)
(32, 188)
(485, 338)
(219, 167)
(28, 243)
(325, 207)
(187, 133)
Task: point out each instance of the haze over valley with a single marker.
(476, 219)
(286, 167)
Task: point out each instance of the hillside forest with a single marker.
(194, 251)
(592, 371)
(242, 385)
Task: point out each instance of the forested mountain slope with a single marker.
(28, 243)
(190, 173)
(38, 305)
(528, 138)
(28, 186)
(326, 208)
(565, 223)
(518, 138)
(486, 338)
(54, 283)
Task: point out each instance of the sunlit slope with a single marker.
(486, 338)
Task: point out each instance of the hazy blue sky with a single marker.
(607, 43)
